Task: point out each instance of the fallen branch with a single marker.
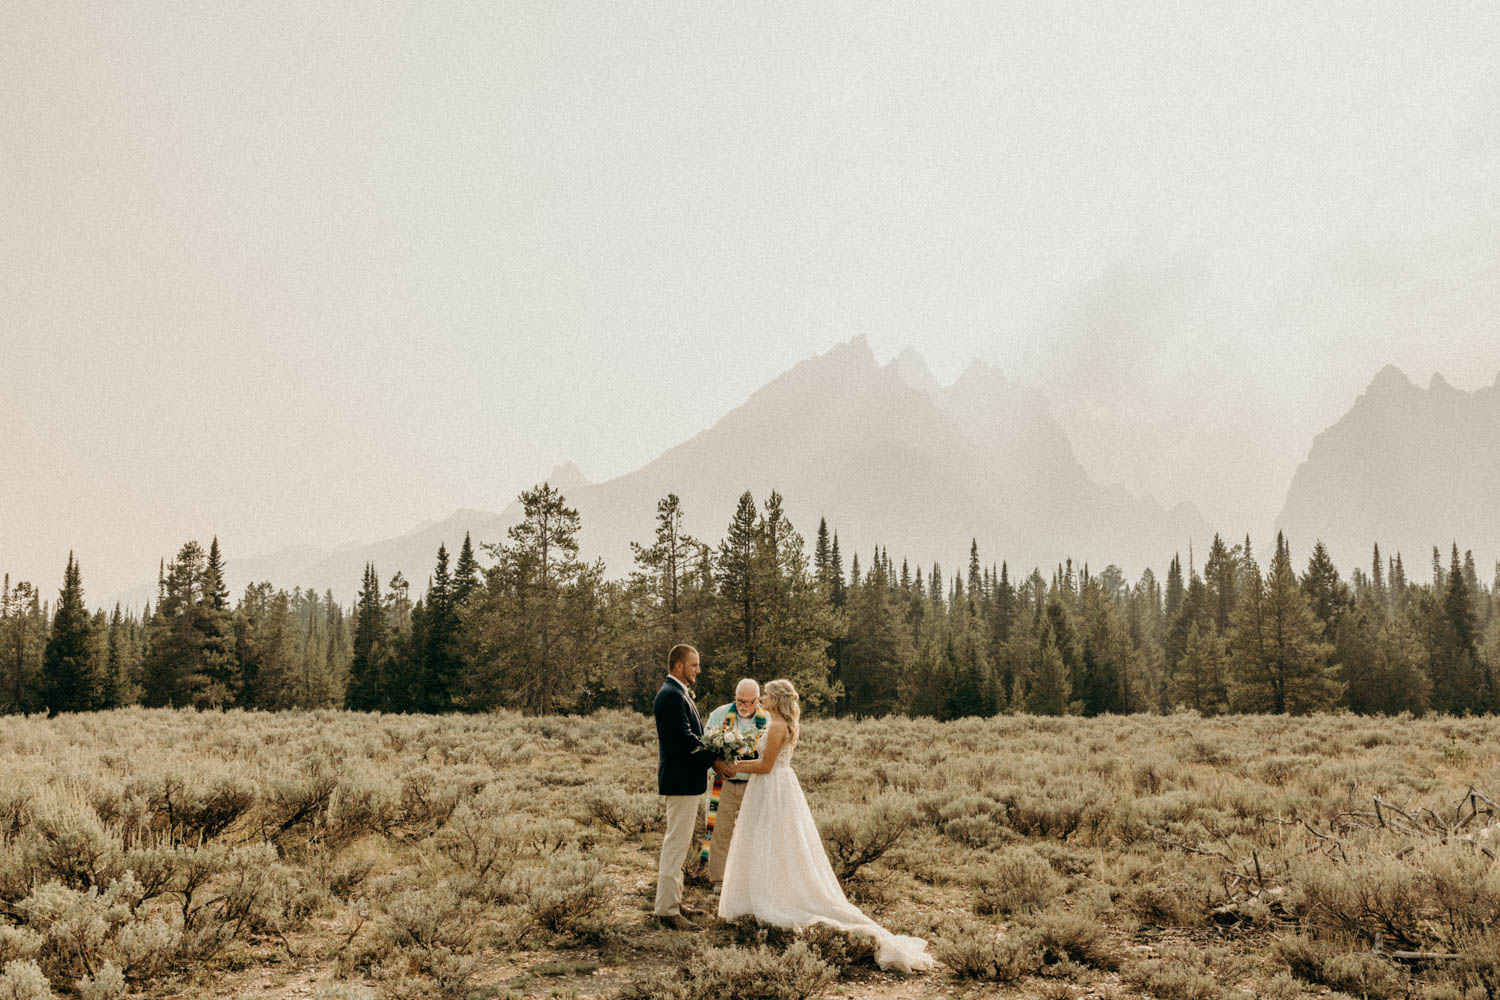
(1206, 852)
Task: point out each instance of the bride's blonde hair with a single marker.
(781, 696)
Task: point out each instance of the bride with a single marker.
(777, 870)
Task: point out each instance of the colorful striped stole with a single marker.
(732, 719)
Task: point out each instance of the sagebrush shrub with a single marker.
(193, 804)
(427, 797)
(106, 984)
(23, 980)
(362, 803)
(77, 927)
(1077, 937)
(18, 942)
(1342, 967)
(65, 841)
(1177, 974)
(760, 973)
(568, 893)
(629, 812)
(336, 990)
(856, 835)
(297, 797)
(975, 950)
(1373, 897)
(839, 948)
(1014, 880)
(434, 929)
(149, 947)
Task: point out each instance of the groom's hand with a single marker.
(723, 769)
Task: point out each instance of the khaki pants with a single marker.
(730, 797)
(682, 820)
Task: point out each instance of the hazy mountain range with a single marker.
(891, 456)
(1407, 467)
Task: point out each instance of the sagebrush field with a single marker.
(335, 855)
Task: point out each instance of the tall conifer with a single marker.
(69, 681)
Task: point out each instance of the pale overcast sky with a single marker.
(304, 273)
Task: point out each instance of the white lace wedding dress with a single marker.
(778, 873)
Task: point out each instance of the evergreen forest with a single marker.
(535, 628)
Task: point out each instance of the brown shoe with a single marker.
(676, 922)
(689, 911)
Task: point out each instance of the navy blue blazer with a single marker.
(682, 763)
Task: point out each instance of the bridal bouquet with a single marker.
(728, 744)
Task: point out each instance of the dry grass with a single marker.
(161, 854)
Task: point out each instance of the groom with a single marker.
(681, 777)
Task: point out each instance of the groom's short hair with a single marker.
(677, 654)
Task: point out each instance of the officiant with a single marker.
(726, 794)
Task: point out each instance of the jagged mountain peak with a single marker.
(567, 476)
(855, 351)
(1404, 467)
(980, 372)
(912, 369)
(1390, 379)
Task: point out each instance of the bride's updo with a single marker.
(781, 696)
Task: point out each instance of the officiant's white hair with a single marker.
(747, 680)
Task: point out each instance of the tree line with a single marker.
(543, 631)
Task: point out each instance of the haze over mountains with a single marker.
(885, 452)
(891, 456)
(1406, 467)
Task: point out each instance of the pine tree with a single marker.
(442, 665)
(23, 629)
(541, 622)
(336, 654)
(799, 620)
(1221, 575)
(1110, 663)
(365, 691)
(69, 681)
(1279, 661)
(1327, 594)
(671, 600)
(976, 584)
(823, 557)
(837, 592)
(1377, 578)
(1175, 591)
(1460, 682)
(215, 625)
(190, 657)
(1382, 663)
(1049, 691)
(741, 581)
(1198, 682)
(113, 684)
(465, 573)
(878, 648)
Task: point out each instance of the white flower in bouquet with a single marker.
(727, 744)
